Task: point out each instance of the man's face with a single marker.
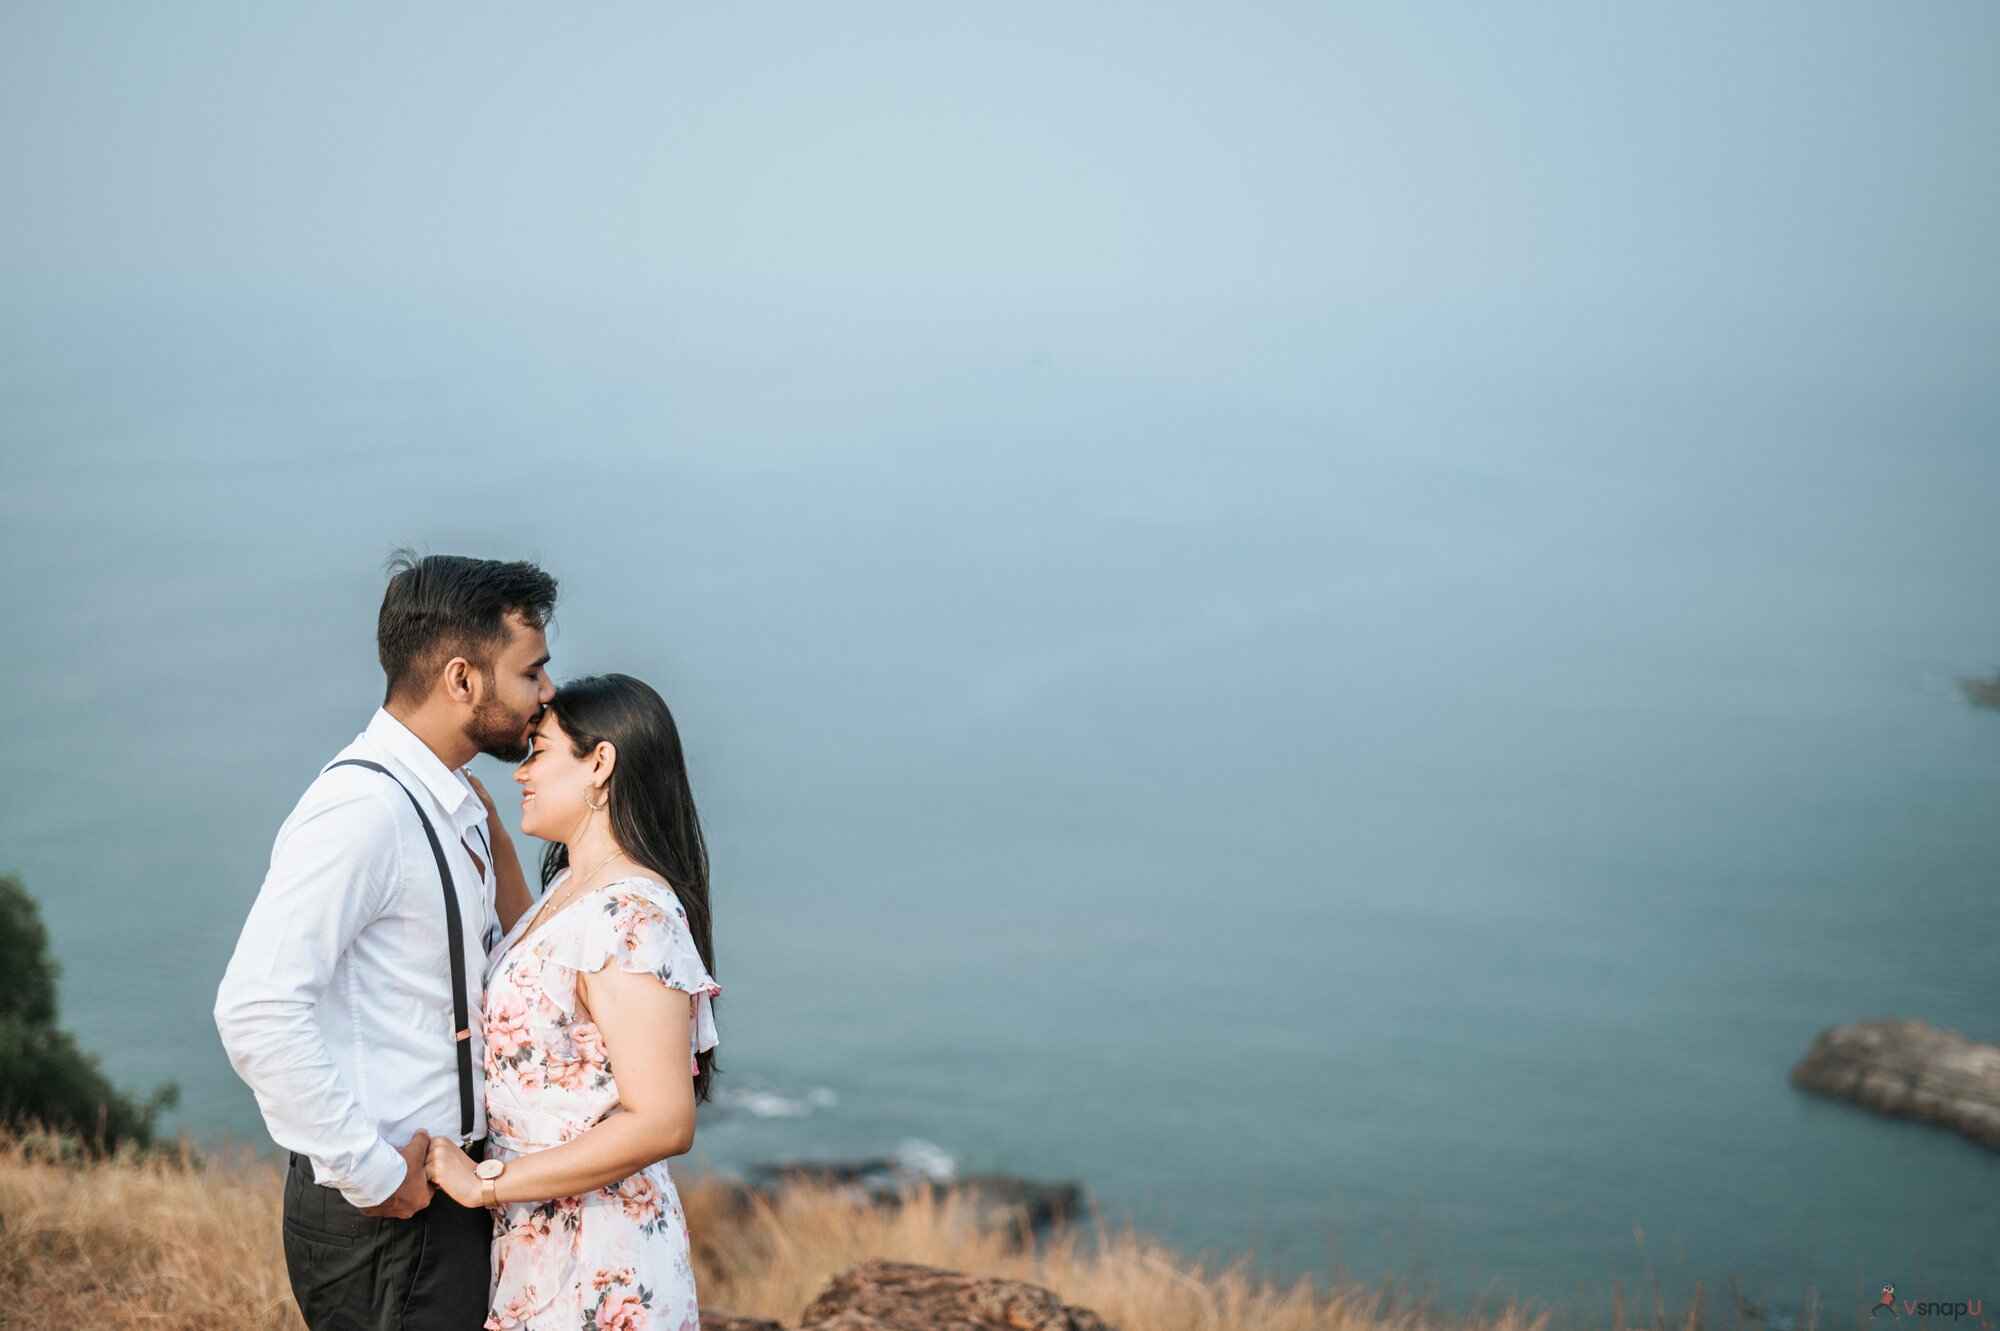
(515, 689)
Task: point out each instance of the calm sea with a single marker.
(1411, 857)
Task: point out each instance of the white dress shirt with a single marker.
(336, 1007)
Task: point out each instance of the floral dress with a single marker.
(615, 1259)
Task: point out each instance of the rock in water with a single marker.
(1909, 1069)
(902, 1296)
(882, 1182)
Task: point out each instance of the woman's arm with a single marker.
(510, 885)
(645, 1028)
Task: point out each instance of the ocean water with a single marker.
(1365, 860)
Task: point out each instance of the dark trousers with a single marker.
(354, 1272)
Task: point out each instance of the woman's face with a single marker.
(557, 787)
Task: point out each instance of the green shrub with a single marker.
(44, 1077)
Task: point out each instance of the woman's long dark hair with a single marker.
(652, 808)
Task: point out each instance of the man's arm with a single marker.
(331, 873)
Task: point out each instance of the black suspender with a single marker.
(492, 934)
(461, 1020)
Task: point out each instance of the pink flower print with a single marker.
(506, 1028)
(534, 1229)
(527, 971)
(529, 1077)
(569, 1211)
(516, 1308)
(632, 918)
(640, 1197)
(565, 1073)
(622, 1311)
(589, 1044)
(607, 1276)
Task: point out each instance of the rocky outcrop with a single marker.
(996, 1197)
(902, 1296)
(1909, 1069)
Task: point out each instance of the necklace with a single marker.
(567, 894)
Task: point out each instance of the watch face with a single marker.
(490, 1168)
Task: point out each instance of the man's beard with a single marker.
(500, 734)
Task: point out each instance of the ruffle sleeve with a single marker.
(639, 927)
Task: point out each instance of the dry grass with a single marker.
(772, 1261)
(177, 1242)
(164, 1243)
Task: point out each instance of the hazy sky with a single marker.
(773, 214)
(1460, 467)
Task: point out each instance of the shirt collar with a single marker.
(447, 787)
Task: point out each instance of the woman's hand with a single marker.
(492, 813)
(450, 1169)
(510, 896)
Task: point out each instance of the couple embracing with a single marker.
(480, 1090)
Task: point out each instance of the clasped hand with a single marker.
(452, 1170)
(430, 1163)
(414, 1193)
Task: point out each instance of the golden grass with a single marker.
(775, 1259)
(163, 1243)
(175, 1241)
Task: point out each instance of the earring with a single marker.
(607, 801)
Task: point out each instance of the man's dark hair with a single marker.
(440, 606)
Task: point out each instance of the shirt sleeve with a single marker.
(332, 871)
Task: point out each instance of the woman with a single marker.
(612, 970)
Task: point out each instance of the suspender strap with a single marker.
(461, 1019)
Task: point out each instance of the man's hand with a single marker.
(415, 1193)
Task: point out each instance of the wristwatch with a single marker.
(489, 1172)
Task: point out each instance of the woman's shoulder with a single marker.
(610, 919)
(639, 924)
(638, 893)
(627, 910)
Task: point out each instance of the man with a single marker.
(339, 1007)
